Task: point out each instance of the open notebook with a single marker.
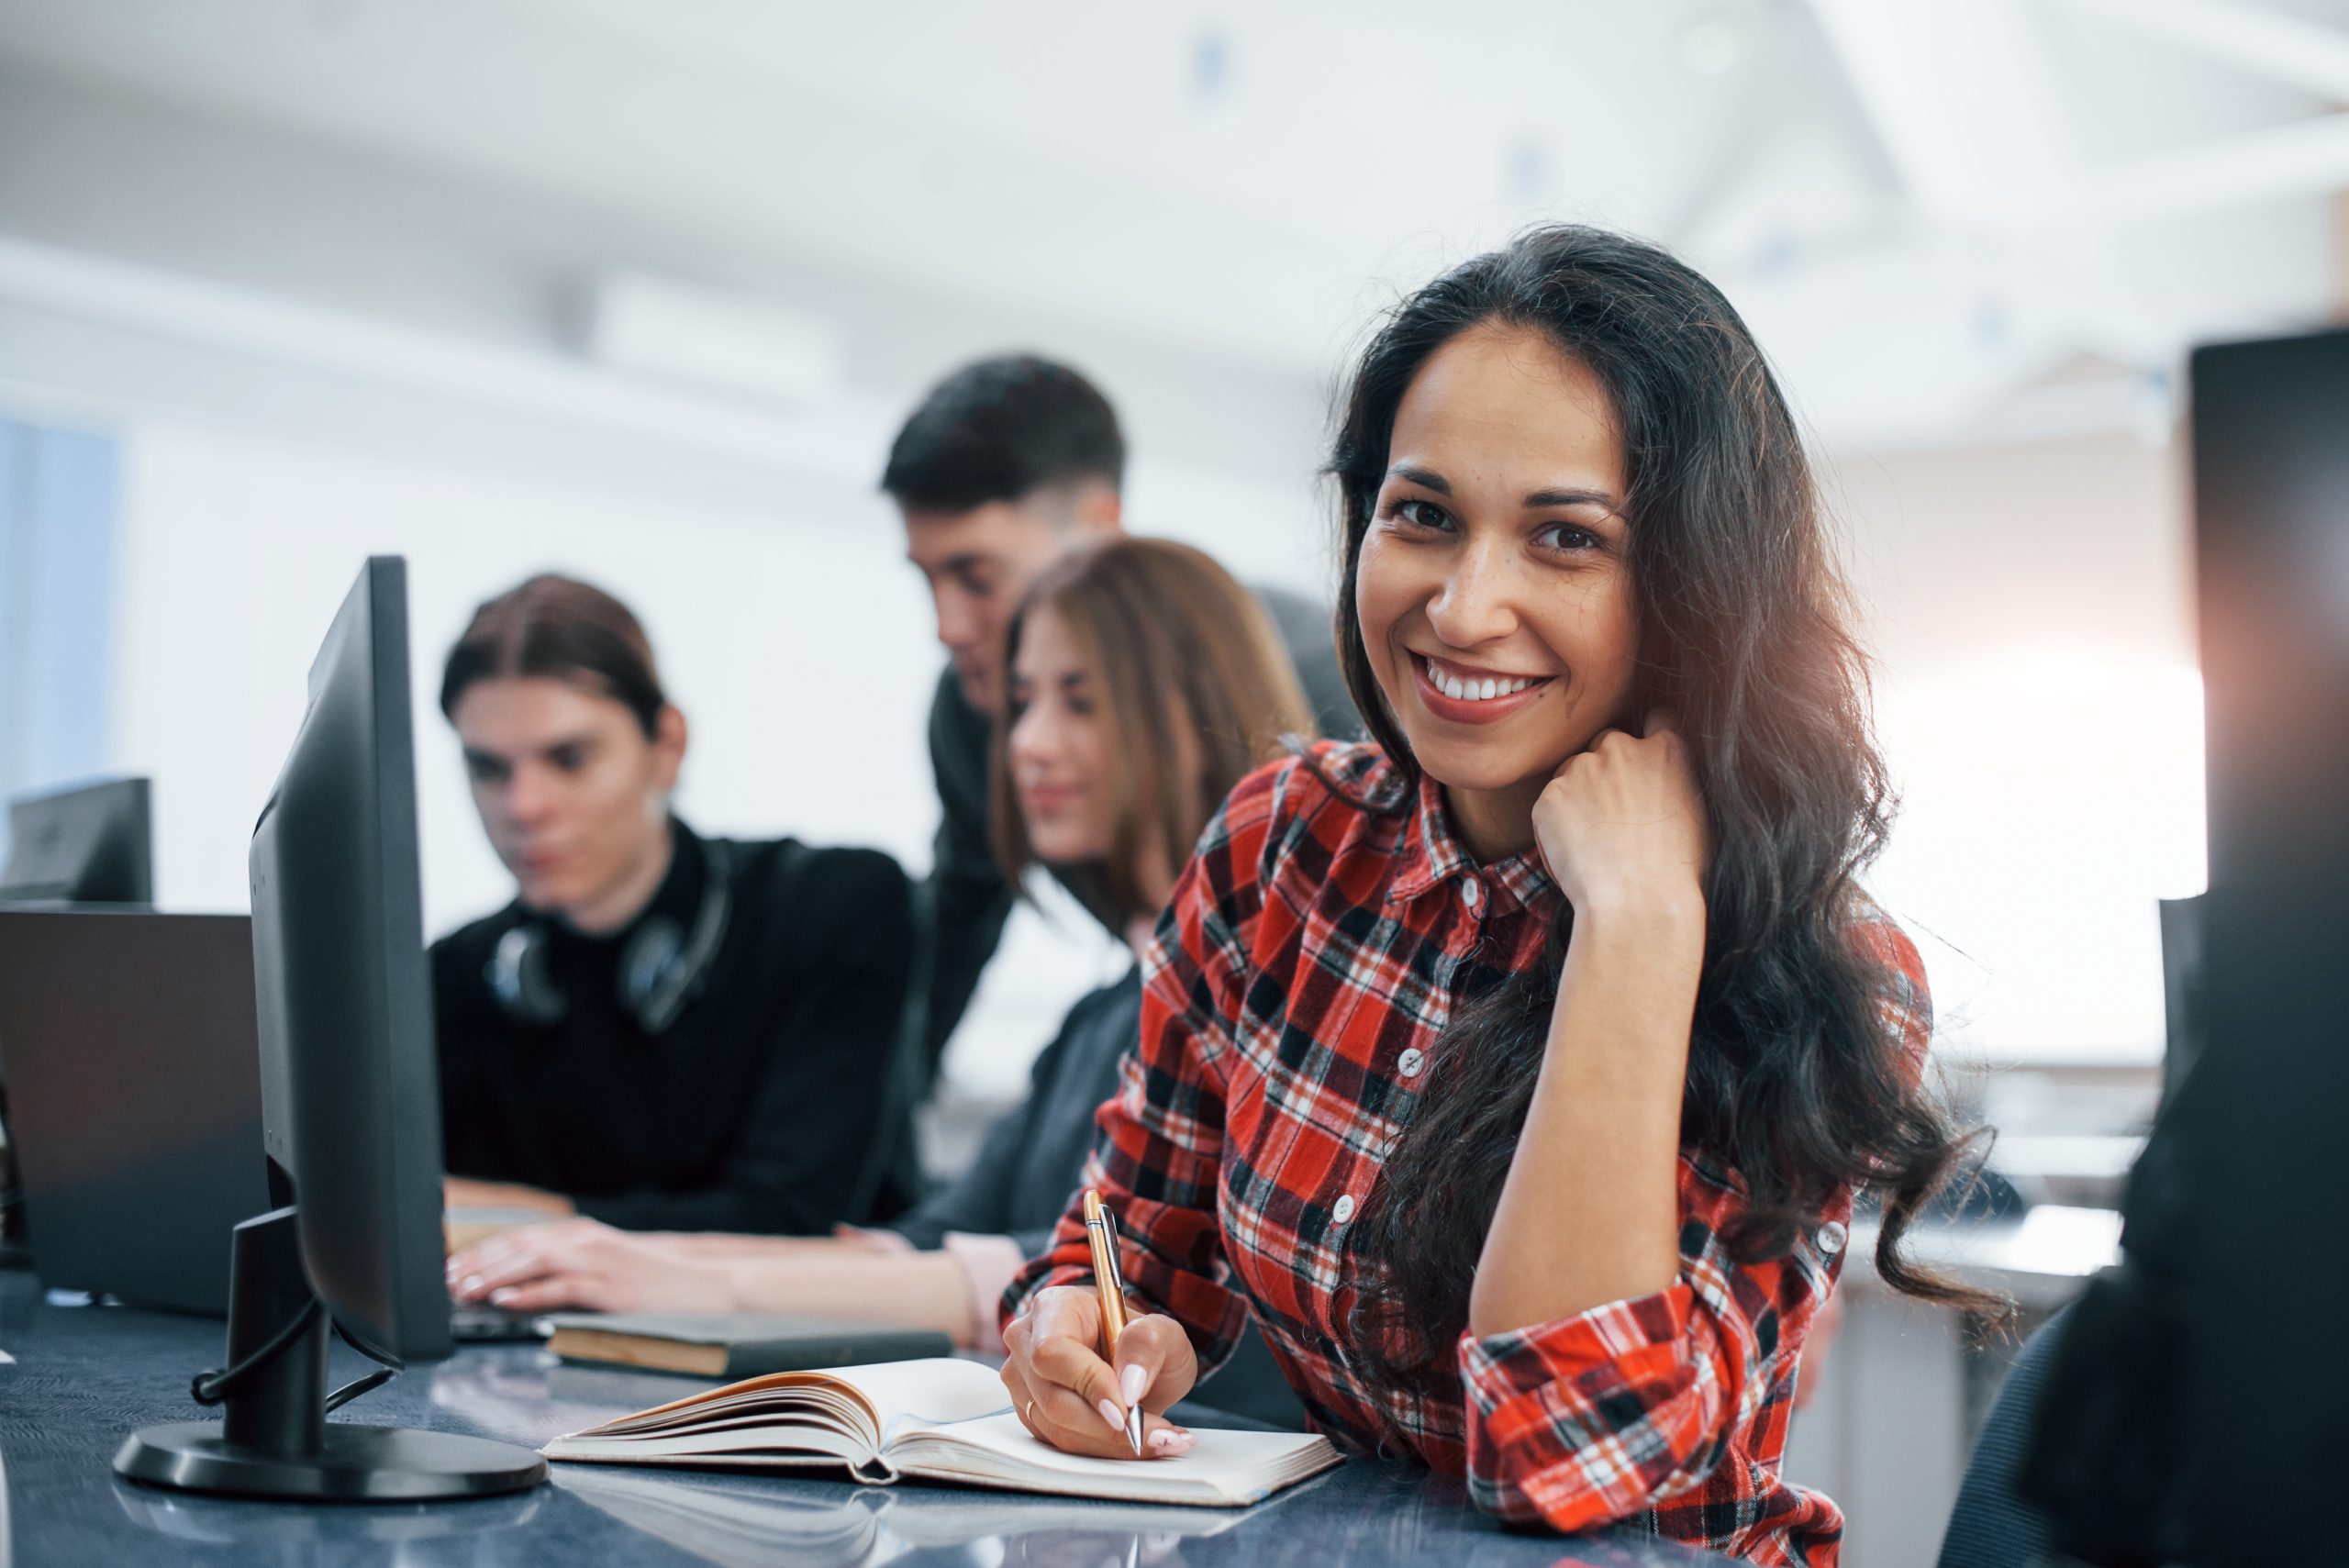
(932, 1420)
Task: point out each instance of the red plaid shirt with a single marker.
(1314, 949)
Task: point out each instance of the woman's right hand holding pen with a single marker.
(1072, 1399)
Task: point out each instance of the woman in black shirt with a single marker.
(661, 1030)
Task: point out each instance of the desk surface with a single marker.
(85, 1376)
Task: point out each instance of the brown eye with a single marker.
(1569, 537)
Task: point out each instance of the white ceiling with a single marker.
(1923, 204)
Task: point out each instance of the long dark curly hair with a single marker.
(1794, 1090)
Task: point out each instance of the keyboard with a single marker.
(491, 1325)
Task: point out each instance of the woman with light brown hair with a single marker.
(1144, 684)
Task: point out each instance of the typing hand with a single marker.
(465, 1191)
(1070, 1398)
(585, 1264)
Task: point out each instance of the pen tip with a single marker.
(1133, 1429)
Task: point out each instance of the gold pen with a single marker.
(1101, 1235)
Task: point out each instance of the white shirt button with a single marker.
(1411, 1062)
(1472, 892)
(1831, 1237)
(1343, 1209)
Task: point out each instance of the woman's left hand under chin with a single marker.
(1622, 825)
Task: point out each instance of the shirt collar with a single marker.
(677, 898)
(1431, 855)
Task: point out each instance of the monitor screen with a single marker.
(2259, 1119)
(90, 844)
(350, 1114)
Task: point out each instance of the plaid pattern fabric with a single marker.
(1314, 949)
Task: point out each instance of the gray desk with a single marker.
(83, 1377)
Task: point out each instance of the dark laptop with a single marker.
(128, 1044)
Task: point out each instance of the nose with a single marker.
(1034, 739)
(529, 795)
(1476, 601)
(959, 629)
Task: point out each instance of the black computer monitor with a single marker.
(90, 844)
(350, 1111)
(134, 1097)
(87, 844)
(2188, 1411)
(2263, 1111)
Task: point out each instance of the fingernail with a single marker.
(1133, 1380)
(1110, 1413)
(500, 1297)
(472, 1282)
(1167, 1440)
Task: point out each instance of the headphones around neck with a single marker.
(662, 967)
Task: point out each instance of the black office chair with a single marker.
(1993, 1526)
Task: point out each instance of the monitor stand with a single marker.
(275, 1439)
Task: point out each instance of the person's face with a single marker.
(979, 563)
(1494, 563)
(1058, 746)
(573, 794)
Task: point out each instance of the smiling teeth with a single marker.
(1453, 687)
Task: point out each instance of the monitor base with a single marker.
(355, 1463)
(275, 1439)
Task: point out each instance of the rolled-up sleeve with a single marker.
(1598, 1418)
(1681, 1398)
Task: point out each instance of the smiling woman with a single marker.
(1142, 675)
(1503, 593)
(1518, 1072)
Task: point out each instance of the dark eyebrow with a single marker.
(1574, 498)
(961, 562)
(1425, 478)
(584, 744)
(1428, 479)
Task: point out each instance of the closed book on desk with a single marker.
(931, 1420)
(734, 1344)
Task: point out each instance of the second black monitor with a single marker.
(89, 844)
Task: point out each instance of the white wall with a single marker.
(795, 648)
(2040, 705)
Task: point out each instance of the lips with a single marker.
(1046, 798)
(1458, 693)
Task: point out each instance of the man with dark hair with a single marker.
(1007, 463)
